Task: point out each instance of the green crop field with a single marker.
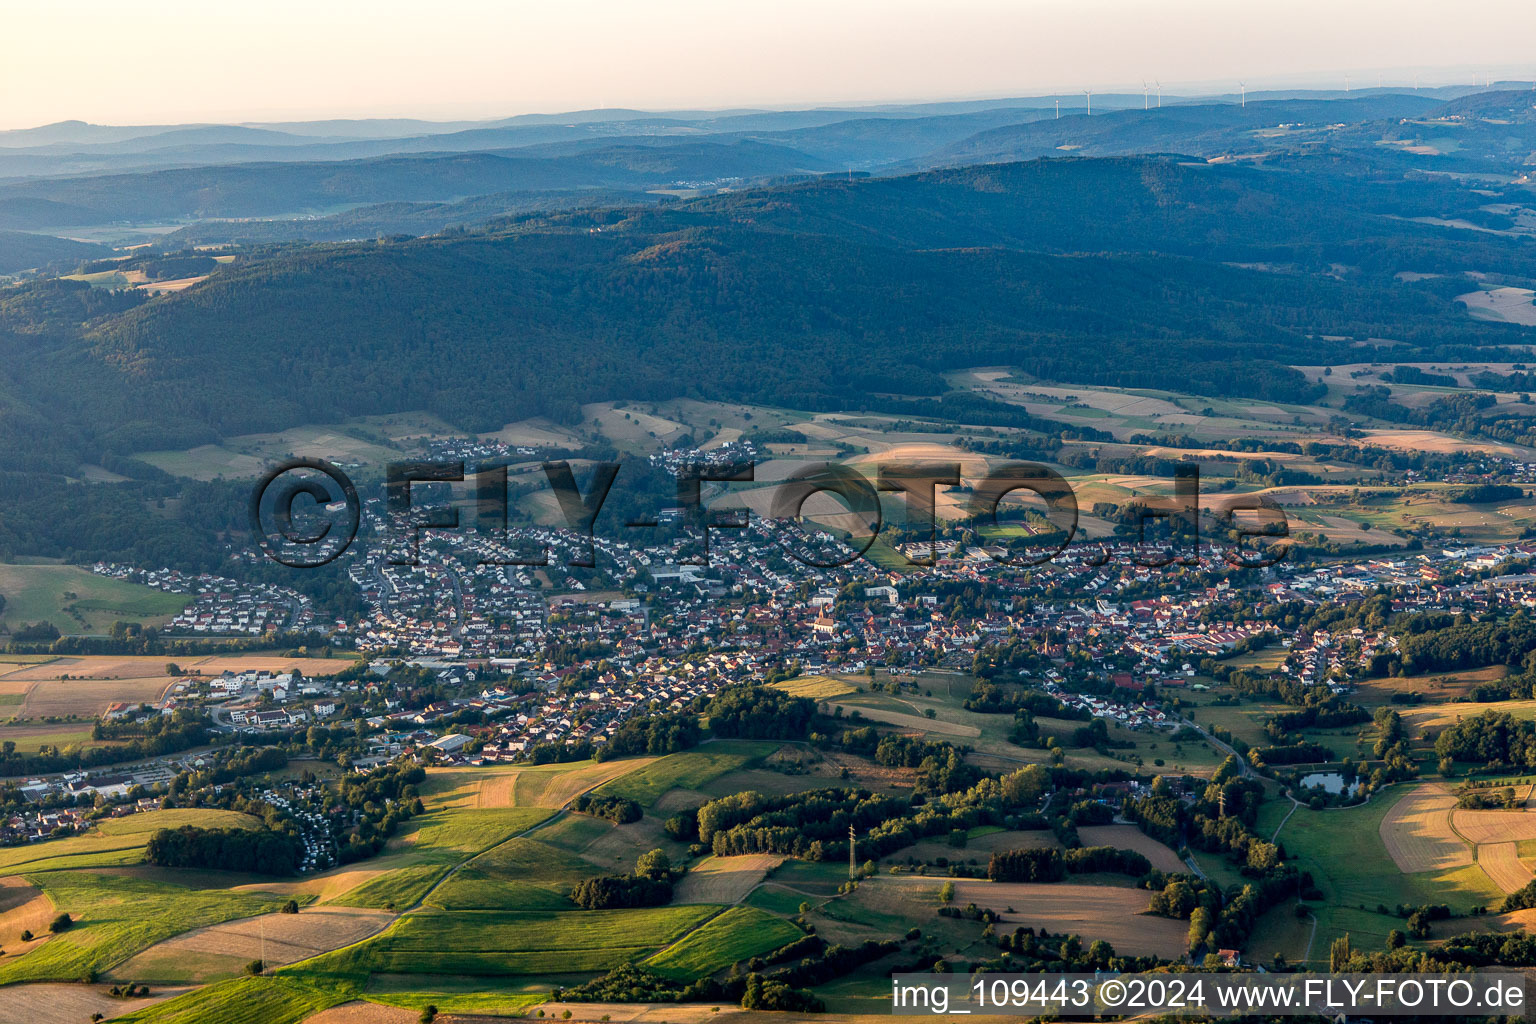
(522, 874)
(29, 736)
(77, 601)
(458, 995)
(117, 917)
(500, 942)
(687, 770)
(1245, 721)
(266, 1000)
(574, 833)
(401, 888)
(738, 934)
(447, 836)
(776, 899)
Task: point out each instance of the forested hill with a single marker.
(833, 295)
(22, 251)
(1308, 212)
(271, 189)
(1203, 129)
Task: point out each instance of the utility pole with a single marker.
(852, 872)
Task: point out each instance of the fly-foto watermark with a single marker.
(275, 509)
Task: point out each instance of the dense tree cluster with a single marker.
(617, 809)
(606, 892)
(1049, 865)
(1492, 738)
(1294, 753)
(157, 736)
(759, 712)
(1436, 643)
(257, 850)
(651, 734)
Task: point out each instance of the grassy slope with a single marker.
(687, 770)
(737, 934)
(532, 942)
(115, 842)
(38, 593)
(1343, 850)
(118, 917)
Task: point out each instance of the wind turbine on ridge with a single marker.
(1089, 94)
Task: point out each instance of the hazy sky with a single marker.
(236, 60)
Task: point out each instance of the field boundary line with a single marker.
(558, 813)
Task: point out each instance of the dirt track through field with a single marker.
(1417, 832)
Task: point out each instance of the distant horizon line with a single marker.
(1203, 90)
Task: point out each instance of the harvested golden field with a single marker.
(1432, 441)
(324, 886)
(225, 948)
(88, 698)
(1436, 686)
(683, 1013)
(556, 789)
(674, 800)
(180, 284)
(815, 687)
(725, 879)
(219, 663)
(1517, 921)
(971, 464)
(1418, 835)
(144, 666)
(1503, 305)
(360, 1012)
(915, 722)
(657, 1013)
(1481, 827)
(1430, 716)
(984, 846)
(1129, 837)
(52, 1003)
(84, 686)
(22, 908)
(1501, 862)
(536, 433)
(1106, 912)
(551, 785)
